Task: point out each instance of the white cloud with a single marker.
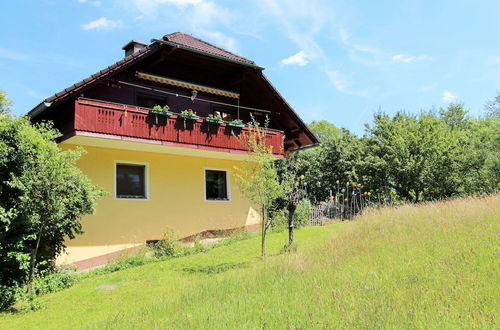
(299, 59)
(403, 58)
(337, 80)
(202, 17)
(448, 97)
(102, 23)
(222, 40)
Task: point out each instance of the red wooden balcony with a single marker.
(121, 120)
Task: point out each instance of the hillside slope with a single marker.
(426, 266)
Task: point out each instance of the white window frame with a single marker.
(146, 180)
(228, 184)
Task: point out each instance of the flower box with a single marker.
(214, 120)
(161, 113)
(239, 125)
(190, 117)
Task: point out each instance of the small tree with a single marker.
(258, 178)
(43, 195)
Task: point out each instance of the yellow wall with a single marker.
(176, 200)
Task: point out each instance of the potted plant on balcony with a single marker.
(236, 123)
(214, 118)
(162, 111)
(189, 114)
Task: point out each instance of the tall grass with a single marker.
(432, 265)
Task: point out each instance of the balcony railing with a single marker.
(135, 122)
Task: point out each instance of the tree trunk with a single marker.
(291, 213)
(34, 253)
(263, 241)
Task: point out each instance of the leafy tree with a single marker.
(258, 178)
(43, 195)
(5, 103)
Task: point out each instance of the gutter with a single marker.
(309, 146)
(194, 50)
(38, 109)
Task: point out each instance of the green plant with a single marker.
(215, 116)
(52, 280)
(165, 108)
(189, 113)
(7, 296)
(302, 213)
(43, 196)
(237, 121)
(168, 245)
(258, 177)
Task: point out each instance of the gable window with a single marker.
(131, 181)
(216, 185)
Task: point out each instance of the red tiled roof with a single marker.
(187, 40)
(179, 38)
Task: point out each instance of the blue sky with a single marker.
(335, 60)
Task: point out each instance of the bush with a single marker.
(43, 196)
(168, 246)
(53, 280)
(7, 296)
(302, 213)
(280, 220)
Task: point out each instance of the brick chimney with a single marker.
(133, 47)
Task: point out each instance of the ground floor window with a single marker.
(131, 181)
(216, 186)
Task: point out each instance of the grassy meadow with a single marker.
(434, 265)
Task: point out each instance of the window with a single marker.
(131, 181)
(149, 101)
(216, 185)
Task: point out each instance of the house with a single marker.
(165, 170)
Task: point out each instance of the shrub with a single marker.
(168, 246)
(7, 296)
(302, 213)
(280, 220)
(52, 280)
(43, 195)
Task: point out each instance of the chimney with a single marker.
(133, 47)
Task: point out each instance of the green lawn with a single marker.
(428, 266)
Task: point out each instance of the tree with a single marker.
(43, 195)
(5, 103)
(258, 178)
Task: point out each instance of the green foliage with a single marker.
(168, 246)
(43, 195)
(124, 262)
(258, 178)
(302, 213)
(52, 280)
(7, 296)
(5, 103)
(301, 216)
(412, 157)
